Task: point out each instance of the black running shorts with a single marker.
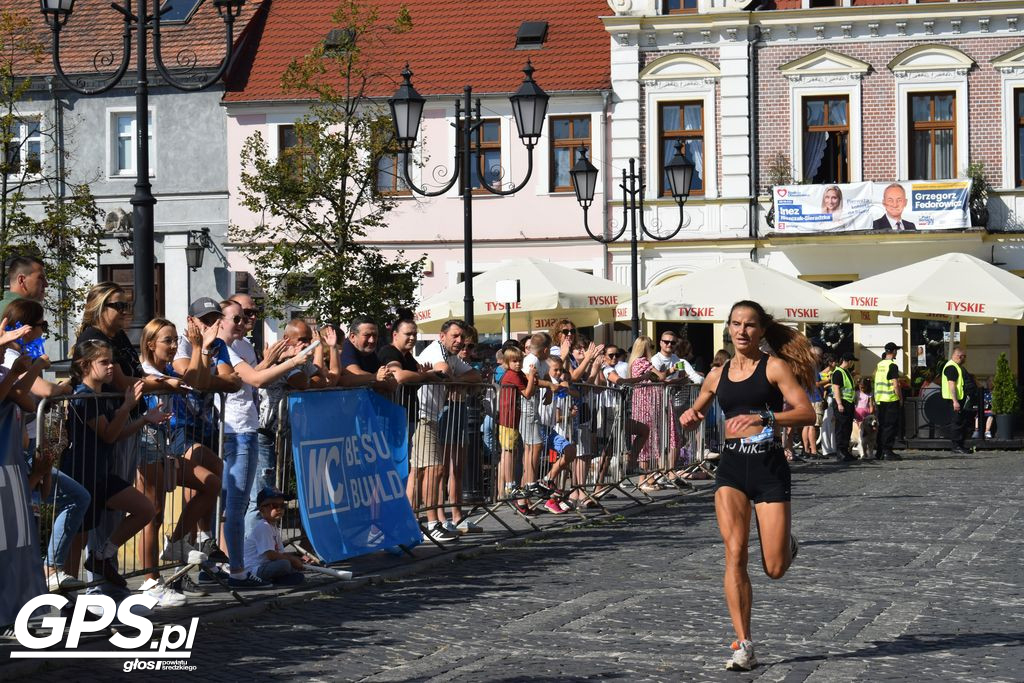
(759, 470)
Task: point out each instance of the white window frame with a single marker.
(113, 171)
(800, 91)
(1011, 81)
(542, 163)
(20, 138)
(695, 90)
(955, 84)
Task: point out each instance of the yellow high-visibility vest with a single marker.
(959, 382)
(846, 391)
(884, 392)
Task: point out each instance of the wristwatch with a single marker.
(767, 418)
(207, 352)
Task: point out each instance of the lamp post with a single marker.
(529, 107)
(584, 179)
(141, 23)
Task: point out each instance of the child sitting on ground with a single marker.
(514, 383)
(264, 552)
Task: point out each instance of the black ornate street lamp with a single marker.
(584, 180)
(141, 22)
(529, 107)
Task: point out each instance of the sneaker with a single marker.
(210, 575)
(513, 492)
(441, 534)
(166, 596)
(250, 582)
(187, 587)
(794, 547)
(553, 507)
(988, 435)
(213, 553)
(182, 552)
(743, 658)
(468, 527)
(449, 526)
(148, 584)
(106, 568)
(525, 510)
(60, 581)
(544, 488)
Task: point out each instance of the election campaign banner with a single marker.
(902, 206)
(21, 564)
(351, 462)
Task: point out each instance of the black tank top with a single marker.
(752, 395)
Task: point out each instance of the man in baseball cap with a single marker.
(205, 306)
(888, 398)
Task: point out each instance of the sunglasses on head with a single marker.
(119, 306)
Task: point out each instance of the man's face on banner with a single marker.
(895, 200)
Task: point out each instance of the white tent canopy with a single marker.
(548, 291)
(707, 295)
(948, 286)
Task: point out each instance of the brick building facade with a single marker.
(752, 75)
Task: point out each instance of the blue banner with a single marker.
(351, 452)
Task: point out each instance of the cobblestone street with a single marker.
(907, 571)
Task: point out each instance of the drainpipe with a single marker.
(62, 191)
(752, 99)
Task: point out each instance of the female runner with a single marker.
(751, 389)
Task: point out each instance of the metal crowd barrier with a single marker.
(470, 458)
(75, 515)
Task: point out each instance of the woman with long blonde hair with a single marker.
(647, 405)
(753, 474)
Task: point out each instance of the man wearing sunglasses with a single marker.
(668, 360)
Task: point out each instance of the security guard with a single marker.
(842, 392)
(888, 398)
(960, 389)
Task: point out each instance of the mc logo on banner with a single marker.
(351, 462)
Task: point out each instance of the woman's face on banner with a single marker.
(831, 201)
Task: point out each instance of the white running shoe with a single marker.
(166, 596)
(743, 658)
(468, 527)
(61, 581)
(450, 527)
(181, 551)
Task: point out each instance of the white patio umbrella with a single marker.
(548, 292)
(948, 286)
(952, 286)
(707, 295)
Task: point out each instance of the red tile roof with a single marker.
(452, 43)
(94, 29)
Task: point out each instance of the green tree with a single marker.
(41, 212)
(319, 198)
(1005, 400)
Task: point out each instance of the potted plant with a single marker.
(977, 202)
(779, 172)
(1005, 401)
